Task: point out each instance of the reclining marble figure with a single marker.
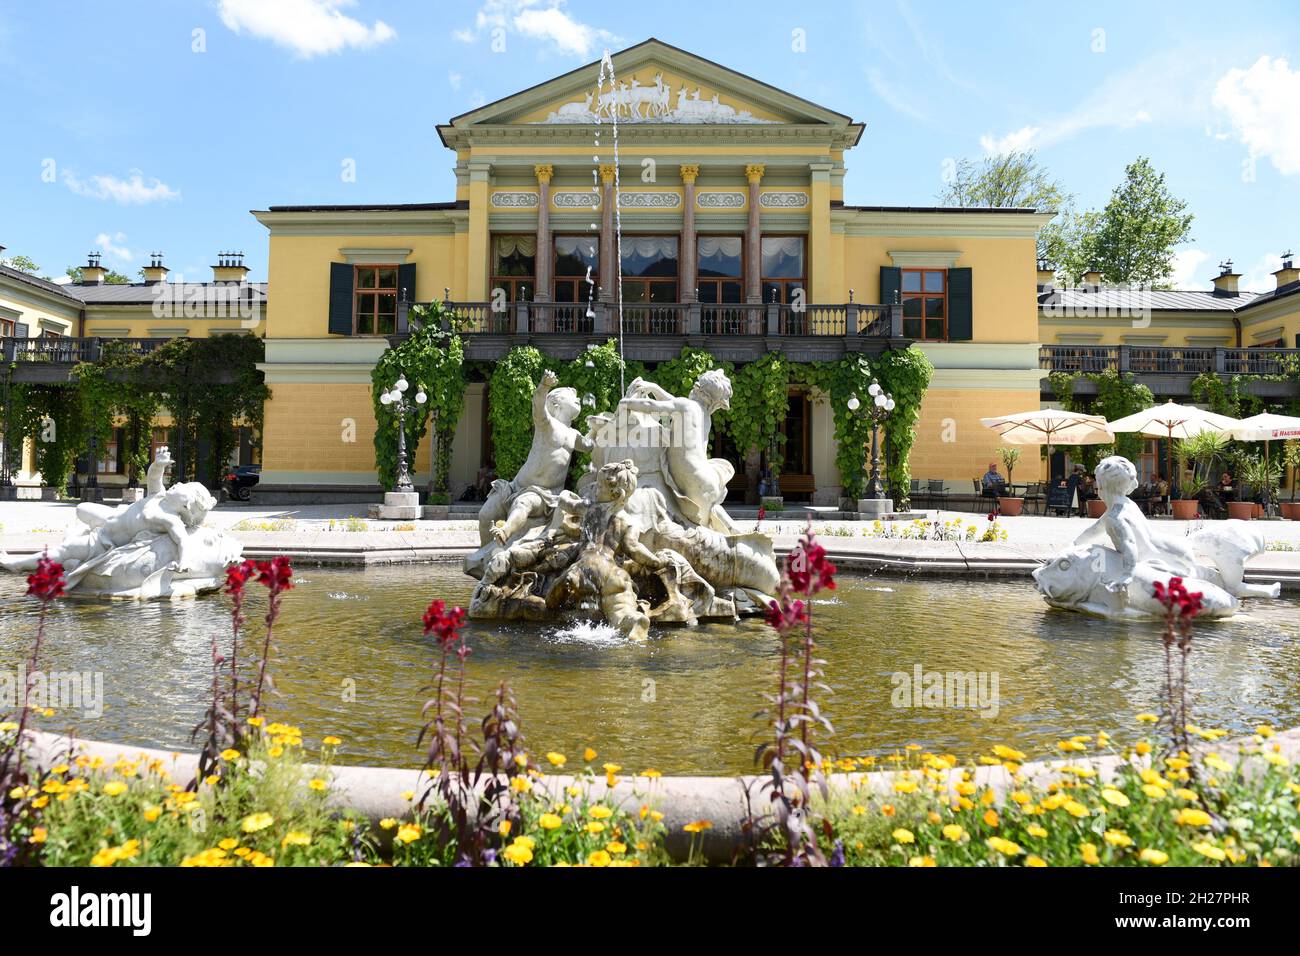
(154, 548)
(1112, 567)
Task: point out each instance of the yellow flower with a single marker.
(1264, 730)
(1118, 838)
(295, 838)
(1071, 746)
(1277, 760)
(1089, 853)
(316, 783)
(905, 786)
(1034, 830)
(1209, 850)
(331, 741)
(256, 721)
(1147, 718)
(39, 835)
(230, 754)
(1005, 847)
(409, 833)
(1154, 857)
(525, 841)
(616, 847)
(1008, 753)
(598, 858)
(1020, 797)
(387, 823)
(1114, 797)
(595, 826)
(152, 813)
(520, 784)
(651, 774)
(600, 812)
(114, 788)
(1192, 817)
(904, 836)
(556, 759)
(1035, 861)
(991, 817)
(518, 854)
(953, 832)
(858, 810)
(549, 821)
(7, 726)
(698, 826)
(256, 821)
(589, 755)
(1152, 791)
(1215, 762)
(1076, 809)
(1182, 793)
(1142, 747)
(504, 828)
(921, 861)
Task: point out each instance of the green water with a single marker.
(351, 660)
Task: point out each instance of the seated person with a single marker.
(992, 483)
(1227, 491)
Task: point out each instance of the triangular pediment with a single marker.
(657, 84)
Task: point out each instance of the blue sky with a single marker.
(129, 132)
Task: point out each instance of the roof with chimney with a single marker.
(1159, 300)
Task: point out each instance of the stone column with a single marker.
(607, 251)
(544, 255)
(479, 266)
(689, 260)
(823, 284)
(754, 238)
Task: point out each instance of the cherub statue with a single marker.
(698, 482)
(531, 496)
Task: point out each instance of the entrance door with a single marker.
(797, 481)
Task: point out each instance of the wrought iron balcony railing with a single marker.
(1162, 360)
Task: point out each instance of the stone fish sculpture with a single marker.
(645, 538)
(1112, 567)
(153, 548)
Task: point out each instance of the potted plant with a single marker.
(1291, 459)
(1201, 452)
(1007, 505)
(1096, 507)
(1188, 503)
(1263, 474)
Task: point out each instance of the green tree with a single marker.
(1069, 242)
(1140, 227)
(76, 274)
(22, 264)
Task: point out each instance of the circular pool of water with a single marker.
(351, 660)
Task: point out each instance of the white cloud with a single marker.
(308, 27)
(1260, 104)
(113, 246)
(543, 20)
(888, 93)
(1186, 264)
(1259, 276)
(1161, 89)
(454, 79)
(132, 190)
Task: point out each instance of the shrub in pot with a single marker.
(1096, 507)
(1186, 507)
(1011, 507)
(1242, 510)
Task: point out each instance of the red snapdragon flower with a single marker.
(762, 512)
(276, 574)
(444, 623)
(785, 615)
(807, 568)
(1176, 597)
(47, 582)
(237, 575)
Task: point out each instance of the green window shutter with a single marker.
(21, 330)
(891, 285)
(342, 276)
(960, 306)
(406, 282)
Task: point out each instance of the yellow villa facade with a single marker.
(730, 196)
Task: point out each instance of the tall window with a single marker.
(7, 328)
(783, 268)
(721, 278)
(376, 300)
(51, 334)
(110, 461)
(649, 268)
(514, 267)
(576, 257)
(925, 304)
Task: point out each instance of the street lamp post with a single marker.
(397, 396)
(879, 405)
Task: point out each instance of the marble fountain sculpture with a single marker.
(1112, 567)
(156, 547)
(643, 539)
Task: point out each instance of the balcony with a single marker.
(43, 360)
(657, 331)
(1169, 371)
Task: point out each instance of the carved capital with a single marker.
(607, 173)
(544, 172)
(689, 173)
(754, 172)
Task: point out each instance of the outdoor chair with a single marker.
(937, 494)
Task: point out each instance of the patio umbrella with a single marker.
(1050, 426)
(1267, 428)
(1170, 421)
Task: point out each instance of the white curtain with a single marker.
(778, 248)
(584, 247)
(649, 247)
(507, 246)
(727, 246)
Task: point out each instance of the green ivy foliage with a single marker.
(433, 360)
(599, 377)
(510, 403)
(759, 403)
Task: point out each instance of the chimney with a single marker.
(1092, 279)
(1046, 275)
(229, 268)
(1225, 283)
(155, 271)
(1288, 274)
(92, 273)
